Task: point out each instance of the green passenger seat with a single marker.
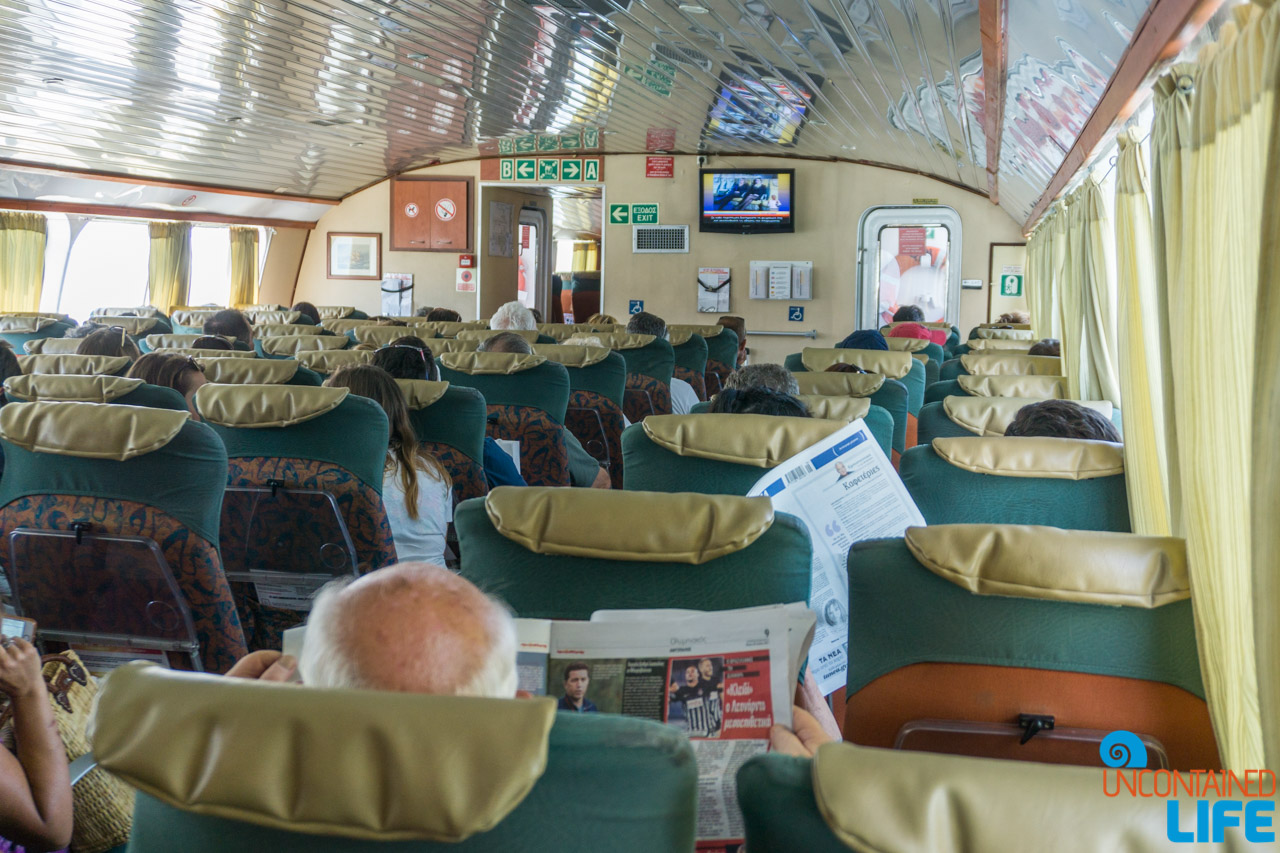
(343, 325)
(1067, 482)
(597, 384)
(325, 362)
(722, 353)
(650, 366)
(56, 388)
(111, 514)
(478, 335)
(190, 321)
(531, 547)
(956, 416)
(527, 398)
(172, 340)
(891, 364)
(138, 327)
(887, 394)
(690, 352)
(380, 336)
(233, 369)
(275, 314)
(18, 330)
(449, 421)
(304, 496)
(714, 454)
(1040, 387)
(339, 312)
(1093, 629)
(845, 409)
(288, 346)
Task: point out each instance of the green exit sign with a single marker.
(644, 214)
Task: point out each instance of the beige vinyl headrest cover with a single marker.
(679, 337)
(201, 352)
(1041, 387)
(559, 331)
(623, 340)
(704, 331)
(845, 409)
(572, 356)
(440, 346)
(1082, 566)
(276, 330)
(343, 325)
(421, 393)
(174, 341)
(895, 801)
(839, 384)
(478, 335)
(442, 328)
(380, 336)
(907, 344)
(293, 344)
(350, 763)
(193, 317)
(1011, 364)
(490, 363)
(936, 325)
(995, 345)
(1047, 458)
(264, 306)
(549, 521)
(90, 430)
(69, 363)
(1005, 334)
(992, 415)
(894, 365)
(261, 317)
(52, 346)
(761, 441)
(334, 312)
(24, 325)
(233, 370)
(135, 326)
(327, 361)
(116, 311)
(264, 406)
(55, 388)
(998, 325)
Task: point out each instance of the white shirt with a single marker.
(683, 397)
(420, 539)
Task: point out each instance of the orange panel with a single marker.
(410, 215)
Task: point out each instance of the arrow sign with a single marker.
(570, 170)
(526, 170)
(619, 214)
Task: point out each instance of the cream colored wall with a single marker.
(833, 196)
(281, 269)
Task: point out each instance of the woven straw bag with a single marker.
(103, 804)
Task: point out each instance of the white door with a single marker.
(908, 256)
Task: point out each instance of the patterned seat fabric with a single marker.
(588, 413)
(697, 380)
(646, 396)
(544, 458)
(466, 473)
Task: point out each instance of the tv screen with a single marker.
(747, 201)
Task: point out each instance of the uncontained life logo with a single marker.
(1201, 805)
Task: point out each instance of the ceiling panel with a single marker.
(320, 97)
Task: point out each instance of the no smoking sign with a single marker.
(446, 209)
(411, 210)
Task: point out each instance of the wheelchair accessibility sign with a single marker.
(795, 313)
(635, 306)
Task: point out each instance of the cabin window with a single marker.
(210, 265)
(106, 265)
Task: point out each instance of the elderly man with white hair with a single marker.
(513, 315)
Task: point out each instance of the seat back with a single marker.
(339, 312)
(957, 416)
(450, 422)
(288, 346)
(138, 327)
(1010, 364)
(891, 364)
(119, 311)
(305, 468)
(650, 365)
(277, 330)
(597, 383)
(191, 320)
(722, 353)
(714, 454)
(928, 349)
(1067, 482)
(172, 341)
(997, 345)
(71, 364)
(233, 369)
(690, 352)
(1041, 387)
(1094, 629)
(888, 394)
(380, 336)
(148, 479)
(343, 325)
(56, 388)
(17, 329)
(263, 315)
(51, 346)
(527, 398)
(1022, 333)
(849, 409)
(325, 362)
(478, 335)
(532, 547)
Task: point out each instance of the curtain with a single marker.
(1070, 290)
(22, 242)
(586, 256)
(169, 265)
(244, 266)
(1142, 329)
(1039, 281)
(1094, 242)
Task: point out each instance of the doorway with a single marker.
(533, 260)
(908, 256)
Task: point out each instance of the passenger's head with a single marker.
(513, 315)
(388, 321)
(843, 367)
(179, 372)
(306, 309)
(232, 324)
(577, 677)
(909, 314)
(444, 315)
(211, 342)
(113, 341)
(758, 401)
(406, 358)
(9, 365)
(1062, 419)
(1048, 346)
(864, 339)
(410, 628)
(1016, 317)
(645, 323)
(537, 316)
(84, 330)
(738, 325)
(773, 377)
(368, 380)
(602, 320)
(506, 342)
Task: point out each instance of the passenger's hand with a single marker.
(265, 666)
(603, 481)
(20, 669)
(803, 740)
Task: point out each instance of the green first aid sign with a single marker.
(1011, 285)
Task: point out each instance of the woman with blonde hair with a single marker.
(416, 490)
(602, 320)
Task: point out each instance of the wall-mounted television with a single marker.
(747, 201)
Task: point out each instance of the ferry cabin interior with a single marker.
(1096, 172)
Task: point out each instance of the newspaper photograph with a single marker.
(845, 490)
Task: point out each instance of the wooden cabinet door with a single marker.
(450, 213)
(411, 215)
(431, 215)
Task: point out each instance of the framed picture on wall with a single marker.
(355, 256)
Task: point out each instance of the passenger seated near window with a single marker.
(232, 324)
(513, 315)
(602, 320)
(416, 490)
(683, 397)
(1048, 346)
(771, 377)
(1015, 317)
(584, 470)
(842, 367)
(758, 401)
(211, 342)
(110, 341)
(1062, 419)
(739, 326)
(306, 309)
(443, 315)
(180, 372)
(864, 339)
(35, 788)
(909, 314)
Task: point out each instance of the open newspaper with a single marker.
(845, 490)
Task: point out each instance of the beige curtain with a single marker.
(22, 242)
(1088, 301)
(1039, 281)
(244, 266)
(1141, 329)
(169, 266)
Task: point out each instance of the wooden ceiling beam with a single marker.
(993, 21)
(1164, 31)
